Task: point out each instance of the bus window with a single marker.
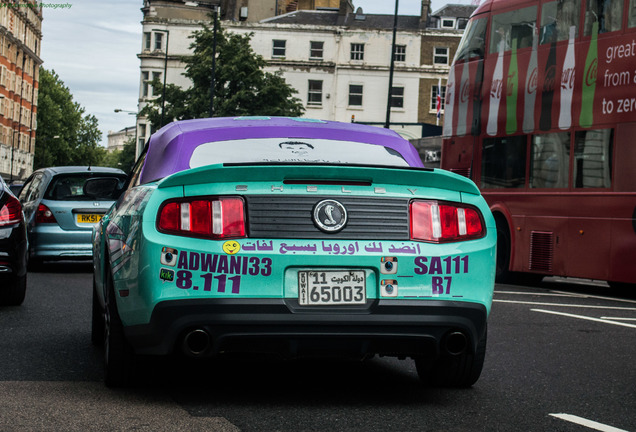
(515, 25)
(556, 19)
(550, 157)
(608, 13)
(593, 159)
(473, 44)
(503, 162)
(632, 14)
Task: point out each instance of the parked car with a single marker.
(60, 212)
(13, 249)
(293, 237)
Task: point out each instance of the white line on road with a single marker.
(587, 423)
(619, 318)
(600, 297)
(567, 305)
(585, 318)
(538, 294)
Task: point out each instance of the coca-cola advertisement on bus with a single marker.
(533, 84)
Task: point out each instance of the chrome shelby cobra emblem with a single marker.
(330, 216)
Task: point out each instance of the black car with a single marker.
(13, 249)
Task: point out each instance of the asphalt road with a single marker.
(560, 358)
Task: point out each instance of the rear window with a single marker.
(70, 187)
(295, 150)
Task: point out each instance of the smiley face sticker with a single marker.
(231, 247)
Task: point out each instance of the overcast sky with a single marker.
(93, 47)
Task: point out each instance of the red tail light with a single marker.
(11, 211)
(44, 215)
(215, 218)
(437, 222)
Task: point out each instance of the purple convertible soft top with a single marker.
(170, 149)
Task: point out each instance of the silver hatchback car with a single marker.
(60, 212)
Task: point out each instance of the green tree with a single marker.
(66, 135)
(241, 85)
(122, 159)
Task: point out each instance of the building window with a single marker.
(278, 48)
(158, 41)
(434, 91)
(399, 54)
(448, 23)
(357, 51)
(147, 41)
(314, 96)
(145, 84)
(355, 94)
(316, 49)
(440, 56)
(397, 97)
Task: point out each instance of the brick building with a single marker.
(20, 40)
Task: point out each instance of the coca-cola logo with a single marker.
(533, 82)
(550, 75)
(465, 93)
(495, 90)
(567, 78)
(590, 73)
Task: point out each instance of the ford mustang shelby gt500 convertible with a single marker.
(293, 237)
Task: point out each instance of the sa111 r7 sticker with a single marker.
(444, 267)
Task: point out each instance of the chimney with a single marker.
(346, 7)
(426, 12)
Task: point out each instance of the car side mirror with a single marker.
(103, 187)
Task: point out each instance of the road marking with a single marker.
(585, 318)
(566, 305)
(601, 297)
(587, 423)
(538, 294)
(619, 318)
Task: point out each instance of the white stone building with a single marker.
(117, 139)
(337, 59)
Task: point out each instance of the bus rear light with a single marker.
(11, 211)
(44, 215)
(432, 221)
(214, 218)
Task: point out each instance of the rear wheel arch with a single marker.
(505, 242)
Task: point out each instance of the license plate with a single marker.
(88, 218)
(329, 287)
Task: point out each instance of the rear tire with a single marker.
(97, 322)
(453, 370)
(14, 294)
(119, 357)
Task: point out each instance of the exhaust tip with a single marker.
(196, 342)
(455, 343)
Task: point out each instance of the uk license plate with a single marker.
(88, 218)
(328, 287)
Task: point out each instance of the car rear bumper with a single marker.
(401, 328)
(52, 242)
(13, 251)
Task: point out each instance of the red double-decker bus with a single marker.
(540, 112)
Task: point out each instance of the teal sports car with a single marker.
(294, 238)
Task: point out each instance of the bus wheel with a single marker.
(503, 274)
